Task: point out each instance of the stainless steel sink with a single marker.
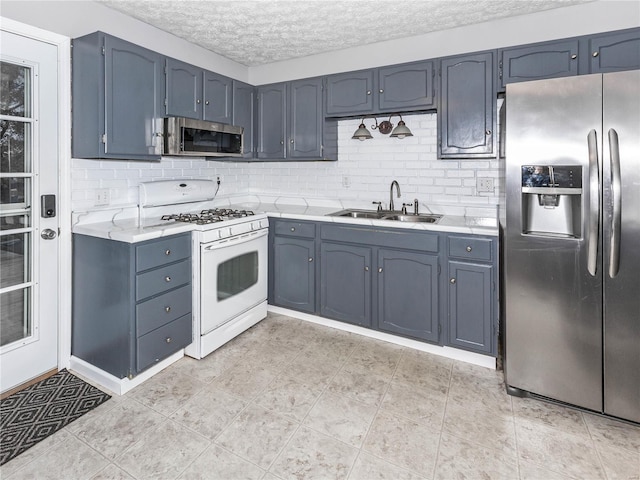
(386, 215)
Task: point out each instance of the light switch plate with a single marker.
(102, 197)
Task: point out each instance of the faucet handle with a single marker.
(404, 207)
(379, 205)
(415, 206)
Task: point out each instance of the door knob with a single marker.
(48, 234)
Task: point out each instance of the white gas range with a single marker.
(229, 252)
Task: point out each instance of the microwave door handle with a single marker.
(594, 203)
(616, 195)
(237, 240)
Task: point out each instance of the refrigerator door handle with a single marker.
(616, 196)
(594, 203)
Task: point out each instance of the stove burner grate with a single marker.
(209, 216)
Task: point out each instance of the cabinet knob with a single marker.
(594, 54)
(293, 229)
(452, 281)
(381, 90)
(368, 92)
(281, 142)
(311, 259)
(167, 278)
(206, 102)
(198, 101)
(574, 56)
(167, 252)
(167, 309)
(380, 270)
(168, 340)
(291, 141)
(469, 248)
(487, 132)
(366, 269)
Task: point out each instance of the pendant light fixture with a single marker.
(385, 127)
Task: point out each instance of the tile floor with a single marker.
(293, 400)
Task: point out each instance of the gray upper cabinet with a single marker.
(345, 283)
(408, 293)
(467, 113)
(196, 93)
(244, 104)
(271, 121)
(350, 93)
(612, 52)
(117, 101)
(305, 119)
(406, 87)
(472, 298)
(536, 62)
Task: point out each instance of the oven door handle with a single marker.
(236, 240)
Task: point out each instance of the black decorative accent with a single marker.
(31, 415)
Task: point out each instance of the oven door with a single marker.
(233, 277)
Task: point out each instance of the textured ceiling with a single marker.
(255, 32)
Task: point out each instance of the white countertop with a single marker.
(123, 225)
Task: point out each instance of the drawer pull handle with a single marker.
(167, 252)
(574, 56)
(168, 340)
(366, 269)
(452, 281)
(293, 229)
(380, 270)
(469, 249)
(311, 259)
(167, 279)
(167, 309)
(594, 54)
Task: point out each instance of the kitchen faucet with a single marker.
(391, 206)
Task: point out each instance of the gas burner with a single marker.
(209, 216)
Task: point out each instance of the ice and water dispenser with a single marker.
(552, 200)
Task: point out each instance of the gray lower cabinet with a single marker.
(131, 302)
(472, 293)
(540, 61)
(292, 265)
(467, 111)
(118, 99)
(345, 283)
(408, 293)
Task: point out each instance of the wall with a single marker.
(362, 174)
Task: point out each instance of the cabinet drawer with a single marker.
(394, 238)
(163, 309)
(295, 229)
(161, 252)
(162, 279)
(163, 341)
(471, 248)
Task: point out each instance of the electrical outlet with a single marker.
(346, 182)
(102, 197)
(219, 179)
(484, 185)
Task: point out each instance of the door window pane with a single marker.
(15, 316)
(14, 257)
(237, 274)
(14, 83)
(14, 146)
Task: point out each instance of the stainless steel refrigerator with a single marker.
(571, 236)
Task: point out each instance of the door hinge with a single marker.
(103, 139)
(104, 52)
(439, 328)
(439, 269)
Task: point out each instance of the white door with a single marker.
(29, 247)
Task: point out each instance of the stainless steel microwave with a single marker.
(198, 138)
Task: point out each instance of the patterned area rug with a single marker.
(31, 415)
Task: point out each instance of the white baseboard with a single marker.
(448, 352)
(119, 386)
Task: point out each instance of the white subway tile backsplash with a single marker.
(368, 166)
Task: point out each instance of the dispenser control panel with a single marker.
(552, 176)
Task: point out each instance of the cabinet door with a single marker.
(345, 283)
(407, 87)
(615, 52)
(350, 93)
(217, 97)
(244, 97)
(305, 119)
(471, 306)
(467, 116)
(271, 121)
(184, 89)
(294, 273)
(408, 294)
(134, 89)
(551, 60)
